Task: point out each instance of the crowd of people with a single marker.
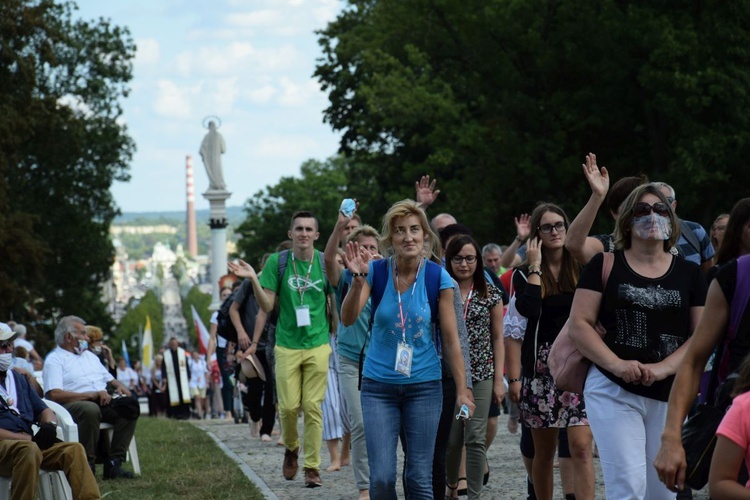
(412, 337)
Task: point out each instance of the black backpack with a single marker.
(224, 326)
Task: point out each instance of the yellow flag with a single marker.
(148, 346)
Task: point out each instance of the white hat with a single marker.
(6, 333)
(252, 368)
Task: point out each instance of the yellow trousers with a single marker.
(301, 379)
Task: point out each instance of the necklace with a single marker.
(404, 282)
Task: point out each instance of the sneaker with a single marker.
(290, 464)
(113, 470)
(312, 478)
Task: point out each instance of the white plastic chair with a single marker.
(132, 454)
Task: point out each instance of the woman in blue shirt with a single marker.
(401, 384)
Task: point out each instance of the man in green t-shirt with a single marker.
(302, 348)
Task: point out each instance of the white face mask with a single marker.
(81, 347)
(5, 360)
(652, 227)
(97, 349)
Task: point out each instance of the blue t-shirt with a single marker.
(351, 338)
(386, 335)
(691, 253)
(30, 406)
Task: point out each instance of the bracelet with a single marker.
(537, 272)
(360, 275)
(511, 380)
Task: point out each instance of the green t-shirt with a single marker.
(288, 334)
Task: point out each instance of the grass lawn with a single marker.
(179, 460)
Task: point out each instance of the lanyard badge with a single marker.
(404, 352)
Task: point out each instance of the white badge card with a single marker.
(303, 315)
(403, 359)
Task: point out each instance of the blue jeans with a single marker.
(387, 409)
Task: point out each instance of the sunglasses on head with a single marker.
(643, 209)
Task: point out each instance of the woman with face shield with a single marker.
(649, 309)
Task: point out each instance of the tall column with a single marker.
(192, 235)
(218, 223)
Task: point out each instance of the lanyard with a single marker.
(9, 395)
(300, 289)
(400, 307)
(468, 299)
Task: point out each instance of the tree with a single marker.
(320, 190)
(502, 99)
(134, 321)
(61, 82)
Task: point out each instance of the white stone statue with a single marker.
(212, 147)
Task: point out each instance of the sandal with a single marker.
(452, 490)
(463, 491)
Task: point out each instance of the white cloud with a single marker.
(147, 51)
(293, 94)
(255, 19)
(173, 101)
(261, 95)
(286, 147)
(235, 58)
(225, 95)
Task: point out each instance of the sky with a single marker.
(248, 62)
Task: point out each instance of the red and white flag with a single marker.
(201, 333)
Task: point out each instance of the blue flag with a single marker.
(125, 353)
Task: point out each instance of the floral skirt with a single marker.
(543, 405)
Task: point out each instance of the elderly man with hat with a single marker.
(23, 453)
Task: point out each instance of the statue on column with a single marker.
(212, 147)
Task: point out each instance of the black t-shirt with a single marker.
(646, 319)
(549, 313)
(249, 310)
(726, 277)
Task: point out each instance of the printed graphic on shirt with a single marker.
(632, 320)
(301, 283)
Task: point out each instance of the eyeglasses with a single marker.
(457, 259)
(6, 345)
(643, 209)
(547, 228)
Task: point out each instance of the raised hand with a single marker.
(534, 252)
(598, 179)
(241, 269)
(426, 192)
(356, 258)
(523, 226)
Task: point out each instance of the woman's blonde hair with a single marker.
(405, 208)
(94, 333)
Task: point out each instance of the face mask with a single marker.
(81, 347)
(5, 360)
(652, 227)
(97, 350)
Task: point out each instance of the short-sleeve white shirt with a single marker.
(74, 372)
(220, 341)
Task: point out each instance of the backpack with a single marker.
(380, 281)
(224, 326)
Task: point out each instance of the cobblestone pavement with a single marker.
(507, 475)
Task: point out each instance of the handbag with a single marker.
(566, 363)
(699, 441)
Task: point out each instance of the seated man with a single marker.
(74, 377)
(21, 453)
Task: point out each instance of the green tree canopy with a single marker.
(501, 100)
(63, 145)
(134, 321)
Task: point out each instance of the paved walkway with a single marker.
(507, 477)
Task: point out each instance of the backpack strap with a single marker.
(607, 264)
(690, 236)
(283, 259)
(379, 282)
(432, 276)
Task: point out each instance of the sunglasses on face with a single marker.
(643, 209)
(457, 259)
(6, 345)
(547, 228)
